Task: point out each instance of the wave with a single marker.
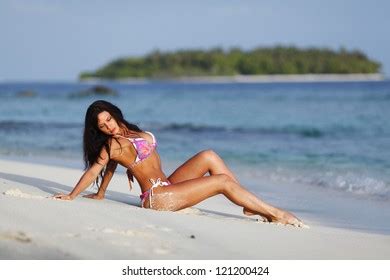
(377, 97)
(297, 130)
(358, 184)
(31, 125)
(294, 130)
(353, 183)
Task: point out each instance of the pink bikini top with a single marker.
(143, 147)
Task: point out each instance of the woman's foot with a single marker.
(283, 217)
(286, 218)
(250, 213)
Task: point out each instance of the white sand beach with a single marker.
(269, 78)
(284, 78)
(34, 226)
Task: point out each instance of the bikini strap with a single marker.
(123, 137)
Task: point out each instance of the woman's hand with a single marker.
(62, 196)
(96, 196)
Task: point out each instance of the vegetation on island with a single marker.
(219, 62)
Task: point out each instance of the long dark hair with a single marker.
(93, 139)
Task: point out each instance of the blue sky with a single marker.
(56, 40)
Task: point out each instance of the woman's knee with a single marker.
(209, 155)
(225, 183)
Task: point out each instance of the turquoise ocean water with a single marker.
(332, 136)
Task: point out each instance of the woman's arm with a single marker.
(88, 177)
(110, 170)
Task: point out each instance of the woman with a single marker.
(109, 139)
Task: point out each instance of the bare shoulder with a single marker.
(104, 157)
(115, 143)
(118, 145)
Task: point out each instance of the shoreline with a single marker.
(276, 78)
(33, 226)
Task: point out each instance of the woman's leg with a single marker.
(199, 165)
(188, 193)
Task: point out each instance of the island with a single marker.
(217, 62)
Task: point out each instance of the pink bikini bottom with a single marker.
(149, 193)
